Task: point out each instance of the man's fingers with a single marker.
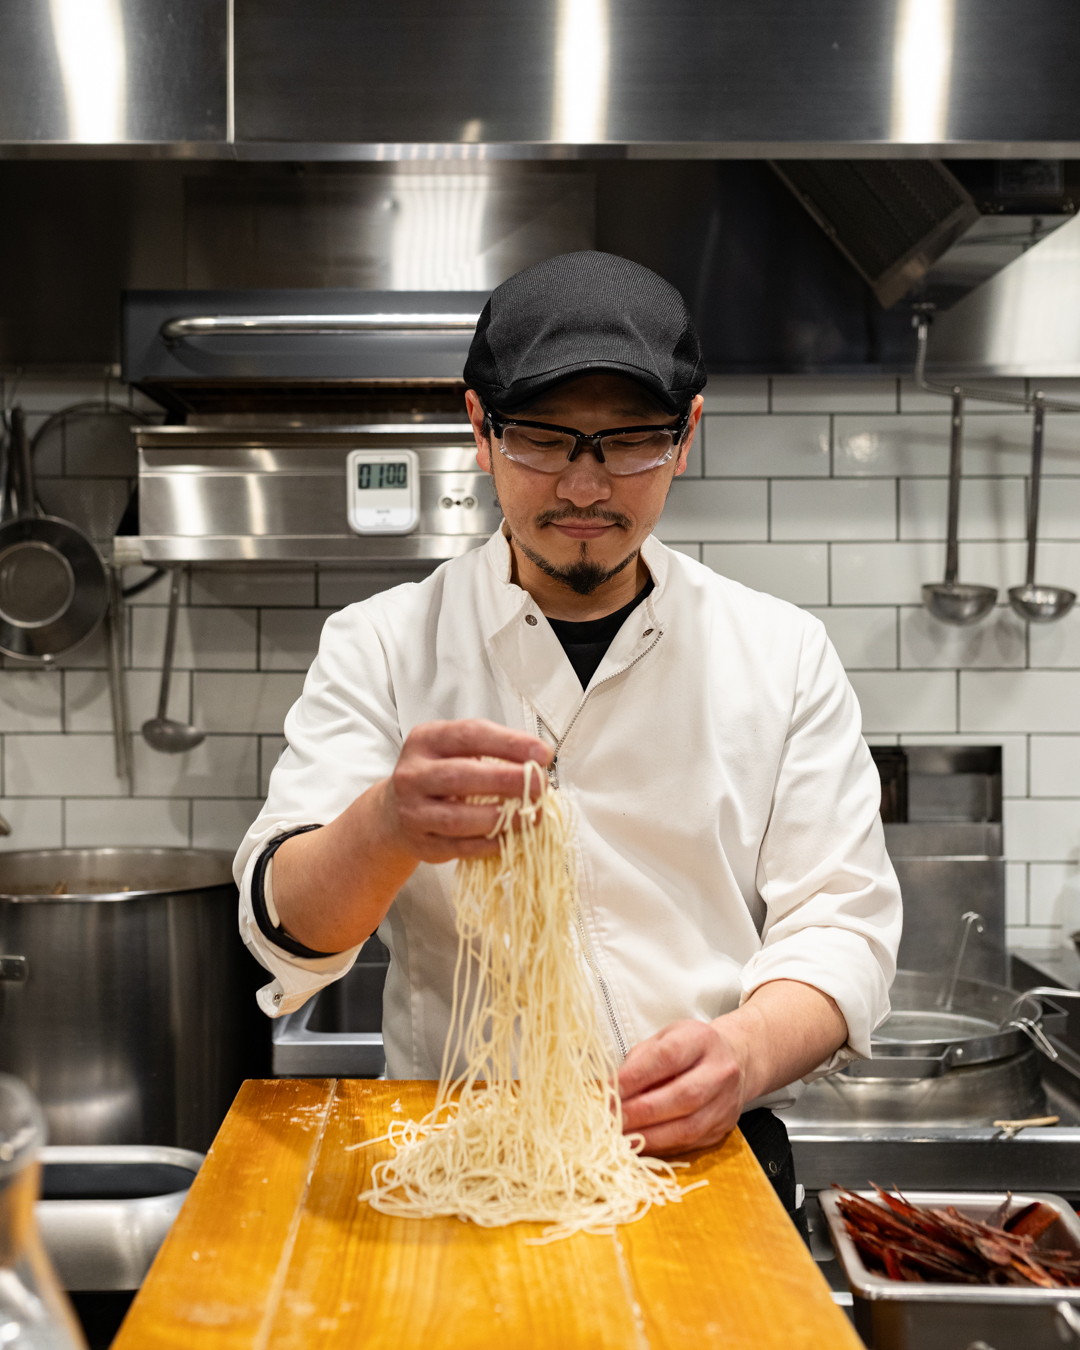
(437, 849)
(466, 778)
(472, 737)
(448, 819)
(661, 1057)
(680, 1136)
(674, 1100)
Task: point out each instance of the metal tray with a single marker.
(896, 1315)
(119, 1202)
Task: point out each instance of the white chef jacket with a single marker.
(728, 828)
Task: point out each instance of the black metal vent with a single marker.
(892, 219)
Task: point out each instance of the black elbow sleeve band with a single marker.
(277, 936)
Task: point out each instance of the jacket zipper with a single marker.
(553, 770)
(620, 1039)
(553, 776)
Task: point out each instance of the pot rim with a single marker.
(120, 852)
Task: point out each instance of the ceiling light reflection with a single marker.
(922, 70)
(437, 233)
(579, 114)
(89, 36)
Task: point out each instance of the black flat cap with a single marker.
(579, 314)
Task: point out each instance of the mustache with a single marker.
(572, 513)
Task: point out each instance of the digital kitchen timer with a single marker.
(383, 491)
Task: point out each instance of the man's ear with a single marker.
(688, 437)
(477, 419)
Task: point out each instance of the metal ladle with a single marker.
(161, 732)
(1034, 603)
(953, 601)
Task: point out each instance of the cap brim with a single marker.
(526, 391)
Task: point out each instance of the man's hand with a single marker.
(424, 807)
(686, 1086)
(682, 1088)
(333, 886)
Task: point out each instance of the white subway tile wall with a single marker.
(829, 493)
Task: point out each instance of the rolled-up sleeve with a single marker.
(833, 910)
(342, 737)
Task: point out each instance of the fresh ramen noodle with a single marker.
(531, 1128)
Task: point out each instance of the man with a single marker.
(740, 915)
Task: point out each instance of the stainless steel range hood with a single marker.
(284, 394)
(318, 79)
(1024, 321)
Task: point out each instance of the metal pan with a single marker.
(902, 1315)
(53, 585)
(922, 1038)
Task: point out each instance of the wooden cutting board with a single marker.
(272, 1250)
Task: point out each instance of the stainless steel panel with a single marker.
(944, 839)
(1020, 322)
(334, 549)
(402, 228)
(744, 77)
(113, 72)
(946, 868)
(298, 505)
(108, 1242)
(936, 893)
(234, 496)
(925, 1157)
(318, 79)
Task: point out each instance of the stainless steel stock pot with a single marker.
(126, 995)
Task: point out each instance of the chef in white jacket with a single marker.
(740, 917)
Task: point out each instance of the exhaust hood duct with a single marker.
(304, 80)
(1025, 321)
(892, 219)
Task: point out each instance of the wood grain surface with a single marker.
(273, 1249)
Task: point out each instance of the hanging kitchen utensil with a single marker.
(162, 732)
(117, 681)
(953, 601)
(53, 587)
(1035, 603)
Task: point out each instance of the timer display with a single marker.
(369, 476)
(383, 490)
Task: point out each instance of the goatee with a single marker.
(583, 576)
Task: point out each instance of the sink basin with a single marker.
(338, 1033)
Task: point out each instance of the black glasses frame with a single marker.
(589, 440)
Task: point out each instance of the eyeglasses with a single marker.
(622, 450)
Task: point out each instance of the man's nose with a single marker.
(584, 481)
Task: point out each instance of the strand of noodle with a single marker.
(530, 1129)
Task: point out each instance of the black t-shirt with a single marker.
(586, 644)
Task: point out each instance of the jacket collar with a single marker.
(526, 649)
